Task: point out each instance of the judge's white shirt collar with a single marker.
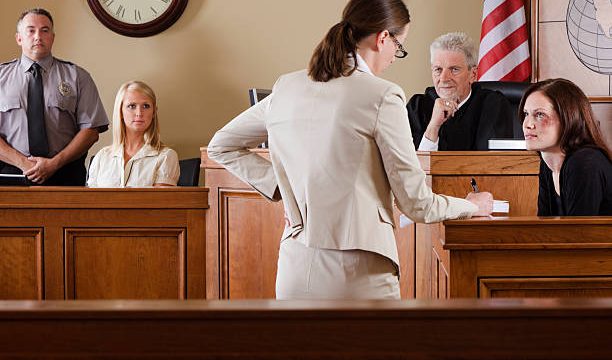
(465, 100)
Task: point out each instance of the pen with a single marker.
(474, 185)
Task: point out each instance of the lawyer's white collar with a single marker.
(362, 65)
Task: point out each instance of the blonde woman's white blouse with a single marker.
(146, 168)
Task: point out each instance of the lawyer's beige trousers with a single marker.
(312, 273)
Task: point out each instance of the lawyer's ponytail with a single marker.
(335, 54)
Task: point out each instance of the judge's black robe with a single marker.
(486, 115)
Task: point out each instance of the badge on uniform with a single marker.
(64, 88)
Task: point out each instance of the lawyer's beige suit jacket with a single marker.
(340, 152)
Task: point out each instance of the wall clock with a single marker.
(137, 18)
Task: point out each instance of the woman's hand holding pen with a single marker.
(484, 200)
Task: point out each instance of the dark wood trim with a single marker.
(457, 329)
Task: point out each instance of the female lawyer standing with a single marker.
(341, 151)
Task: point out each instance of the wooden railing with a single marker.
(451, 329)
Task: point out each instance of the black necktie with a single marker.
(37, 133)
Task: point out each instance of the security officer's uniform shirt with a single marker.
(72, 103)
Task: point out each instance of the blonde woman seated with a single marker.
(137, 157)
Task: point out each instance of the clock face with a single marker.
(137, 18)
(135, 11)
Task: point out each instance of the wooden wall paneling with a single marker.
(508, 175)
(440, 286)
(522, 287)
(520, 273)
(423, 262)
(54, 210)
(196, 255)
(502, 188)
(435, 275)
(513, 256)
(53, 250)
(249, 244)
(125, 263)
(406, 246)
(463, 274)
(21, 263)
(491, 329)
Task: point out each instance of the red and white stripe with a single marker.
(504, 42)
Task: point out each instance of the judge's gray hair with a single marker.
(456, 41)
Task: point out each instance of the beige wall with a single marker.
(202, 67)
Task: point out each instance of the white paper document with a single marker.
(501, 206)
(404, 221)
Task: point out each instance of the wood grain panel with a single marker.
(480, 162)
(521, 191)
(406, 246)
(71, 197)
(520, 233)
(546, 287)
(21, 264)
(537, 263)
(515, 255)
(125, 263)
(459, 329)
(250, 244)
(41, 209)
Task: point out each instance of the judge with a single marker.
(456, 113)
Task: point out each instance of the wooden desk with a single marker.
(243, 228)
(80, 243)
(523, 257)
(508, 175)
(473, 329)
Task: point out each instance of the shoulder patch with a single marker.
(8, 62)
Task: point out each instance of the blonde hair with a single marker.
(151, 135)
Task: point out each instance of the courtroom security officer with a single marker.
(50, 110)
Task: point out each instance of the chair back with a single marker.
(190, 172)
(256, 95)
(513, 91)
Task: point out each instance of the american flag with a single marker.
(504, 42)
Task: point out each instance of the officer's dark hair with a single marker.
(37, 11)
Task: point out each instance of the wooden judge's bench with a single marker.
(515, 256)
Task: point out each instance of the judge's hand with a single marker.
(444, 108)
(484, 201)
(442, 111)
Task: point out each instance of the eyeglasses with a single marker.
(400, 53)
